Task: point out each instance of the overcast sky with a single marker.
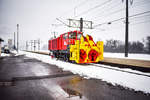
(36, 17)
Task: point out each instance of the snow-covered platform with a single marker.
(143, 65)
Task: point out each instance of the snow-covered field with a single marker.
(127, 80)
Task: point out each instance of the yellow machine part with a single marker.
(86, 45)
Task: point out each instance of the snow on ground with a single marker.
(4, 54)
(130, 56)
(13, 51)
(127, 80)
(47, 51)
(9, 54)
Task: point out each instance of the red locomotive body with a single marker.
(59, 46)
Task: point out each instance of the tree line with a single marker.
(117, 46)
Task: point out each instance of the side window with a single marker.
(72, 35)
(79, 36)
(65, 36)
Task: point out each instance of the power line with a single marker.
(76, 6)
(85, 1)
(97, 6)
(140, 2)
(131, 23)
(121, 19)
(141, 16)
(117, 11)
(68, 12)
(102, 9)
(61, 21)
(17, 37)
(110, 13)
(110, 8)
(138, 23)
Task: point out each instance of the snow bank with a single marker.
(130, 56)
(4, 54)
(127, 80)
(16, 53)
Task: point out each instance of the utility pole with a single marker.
(81, 24)
(39, 44)
(75, 11)
(126, 30)
(31, 45)
(26, 45)
(14, 40)
(54, 34)
(34, 44)
(17, 37)
(127, 26)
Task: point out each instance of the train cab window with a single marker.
(79, 36)
(65, 36)
(72, 35)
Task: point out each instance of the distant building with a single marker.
(1, 40)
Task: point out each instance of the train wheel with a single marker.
(67, 58)
(93, 54)
(64, 58)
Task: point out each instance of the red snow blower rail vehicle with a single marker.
(73, 46)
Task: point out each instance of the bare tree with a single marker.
(148, 44)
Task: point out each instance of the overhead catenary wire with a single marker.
(140, 16)
(138, 23)
(70, 10)
(123, 9)
(85, 1)
(90, 9)
(109, 8)
(120, 28)
(139, 2)
(117, 11)
(131, 23)
(109, 22)
(62, 22)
